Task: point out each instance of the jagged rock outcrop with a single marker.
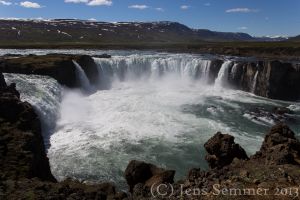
(146, 174)
(58, 66)
(280, 147)
(222, 150)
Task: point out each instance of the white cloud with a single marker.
(29, 4)
(100, 3)
(140, 7)
(92, 2)
(184, 7)
(242, 28)
(92, 19)
(207, 4)
(160, 9)
(5, 3)
(241, 10)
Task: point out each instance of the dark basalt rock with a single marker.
(146, 174)
(280, 147)
(102, 56)
(222, 150)
(2, 81)
(276, 115)
(275, 80)
(282, 111)
(57, 66)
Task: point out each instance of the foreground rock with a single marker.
(147, 174)
(58, 66)
(222, 150)
(280, 147)
(25, 171)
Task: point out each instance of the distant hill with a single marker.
(295, 39)
(272, 38)
(80, 31)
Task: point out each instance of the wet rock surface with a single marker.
(272, 116)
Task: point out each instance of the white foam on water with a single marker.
(99, 134)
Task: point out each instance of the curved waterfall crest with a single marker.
(132, 67)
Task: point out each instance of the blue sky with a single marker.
(256, 17)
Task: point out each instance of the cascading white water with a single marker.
(254, 82)
(206, 64)
(222, 79)
(152, 67)
(44, 94)
(82, 78)
(234, 69)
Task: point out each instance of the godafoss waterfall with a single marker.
(156, 107)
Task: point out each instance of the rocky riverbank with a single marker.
(272, 173)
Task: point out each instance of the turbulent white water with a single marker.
(156, 107)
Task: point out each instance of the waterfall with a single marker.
(254, 82)
(44, 94)
(82, 78)
(222, 79)
(206, 64)
(234, 70)
(152, 67)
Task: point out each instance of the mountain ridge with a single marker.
(71, 30)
